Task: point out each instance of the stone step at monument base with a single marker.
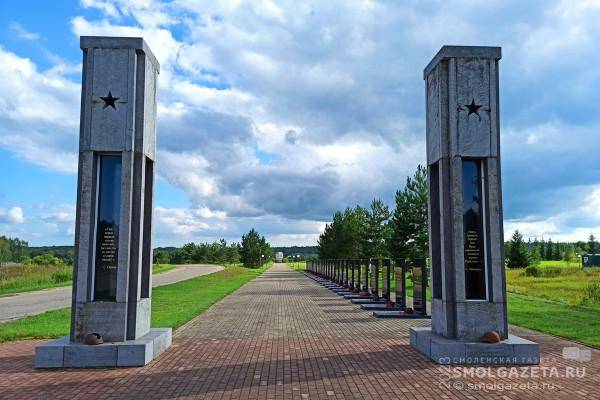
(341, 292)
(512, 351)
(339, 289)
(61, 353)
(354, 296)
(399, 314)
(316, 278)
(367, 301)
(378, 306)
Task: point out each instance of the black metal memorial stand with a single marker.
(419, 279)
(400, 275)
(375, 279)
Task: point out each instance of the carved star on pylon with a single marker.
(473, 108)
(109, 101)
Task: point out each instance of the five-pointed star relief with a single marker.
(109, 100)
(473, 108)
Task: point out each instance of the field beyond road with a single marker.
(19, 278)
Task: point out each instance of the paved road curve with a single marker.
(31, 303)
(285, 337)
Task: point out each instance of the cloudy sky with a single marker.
(275, 114)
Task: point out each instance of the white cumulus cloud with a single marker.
(13, 215)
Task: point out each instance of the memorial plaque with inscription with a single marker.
(107, 228)
(385, 281)
(419, 279)
(375, 279)
(358, 274)
(367, 265)
(400, 283)
(473, 230)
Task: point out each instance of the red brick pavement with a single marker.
(282, 336)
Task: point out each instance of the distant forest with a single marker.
(300, 252)
(18, 251)
(520, 251)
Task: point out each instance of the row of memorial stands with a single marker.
(368, 283)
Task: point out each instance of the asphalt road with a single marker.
(31, 303)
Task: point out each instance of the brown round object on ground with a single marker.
(93, 339)
(491, 337)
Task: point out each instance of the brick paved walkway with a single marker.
(283, 336)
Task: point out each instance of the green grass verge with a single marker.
(160, 268)
(172, 305)
(576, 323)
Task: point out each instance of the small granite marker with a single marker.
(466, 240)
(112, 282)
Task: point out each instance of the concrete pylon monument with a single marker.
(466, 239)
(112, 280)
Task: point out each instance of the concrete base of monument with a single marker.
(61, 353)
(512, 351)
(367, 300)
(354, 296)
(379, 306)
(399, 314)
(339, 290)
(342, 292)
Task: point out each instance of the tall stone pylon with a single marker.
(112, 280)
(466, 237)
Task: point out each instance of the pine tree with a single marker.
(592, 246)
(377, 230)
(517, 256)
(535, 253)
(549, 250)
(556, 253)
(255, 250)
(535, 257)
(543, 249)
(409, 222)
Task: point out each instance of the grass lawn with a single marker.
(19, 278)
(568, 287)
(577, 323)
(172, 305)
(560, 263)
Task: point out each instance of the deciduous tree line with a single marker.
(253, 251)
(13, 250)
(377, 231)
(203, 253)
